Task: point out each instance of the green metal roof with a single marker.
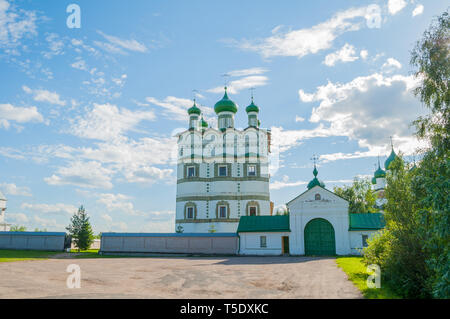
(367, 221)
(315, 181)
(194, 109)
(390, 159)
(252, 107)
(225, 104)
(264, 224)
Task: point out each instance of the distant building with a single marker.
(379, 179)
(223, 172)
(3, 225)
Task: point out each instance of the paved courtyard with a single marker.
(179, 277)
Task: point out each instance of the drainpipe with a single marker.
(239, 243)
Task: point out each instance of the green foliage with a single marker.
(360, 196)
(80, 230)
(20, 255)
(431, 180)
(179, 229)
(356, 271)
(431, 58)
(17, 228)
(413, 250)
(40, 230)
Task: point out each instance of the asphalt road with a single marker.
(179, 277)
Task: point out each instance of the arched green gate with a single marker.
(319, 238)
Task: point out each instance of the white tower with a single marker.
(222, 174)
(3, 225)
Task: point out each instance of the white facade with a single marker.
(315, 203)
(221, 176)
(253, 244)
(330, 207)
(3, 225)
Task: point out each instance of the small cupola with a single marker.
(225, 109)
(315, 181)
(252, 113)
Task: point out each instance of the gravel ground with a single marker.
(185, 277)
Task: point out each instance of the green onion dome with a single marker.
(194, 110)
(374, 180)
(315, 181)
(252, 108)
(204, 123)
(390, 159)
(225, 105)
(380, 173)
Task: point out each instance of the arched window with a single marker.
(317, 197)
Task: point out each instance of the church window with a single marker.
(191, 171)
(222, 171)
(190, 212)
(222, 211)
(262, 241)
(364, 240)
(317, 197)
(251, 170)
(252, 210)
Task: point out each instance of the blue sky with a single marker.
(87, 115)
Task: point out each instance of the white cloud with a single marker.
(108, 122)
(18, 114)
(395, 6)
(47, 223)
(282, 184)
(56, 46)
(390, 65)
(44, 96)
(247, 72)
(299, 119)
(306, 41)
(364, 54)
(13, 189)
(50, 208)
(418, 10)
(367, 109)
(346, 54)
(175, 108)
(247, 82)
(80, 65)
(83, 174)
(15, 25)
(117, 45)
(18, 218)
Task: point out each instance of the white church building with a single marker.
(223, 187)
(223, 172)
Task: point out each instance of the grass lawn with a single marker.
(356, 272)
(20, 255)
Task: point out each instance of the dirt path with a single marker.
(231, 277)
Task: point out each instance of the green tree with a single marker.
(81, 230)
(17, 228)
(431, 182)
(360, 196)
(399, 250)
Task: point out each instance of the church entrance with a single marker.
(319, 238)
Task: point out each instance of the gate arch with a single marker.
(319, 238)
